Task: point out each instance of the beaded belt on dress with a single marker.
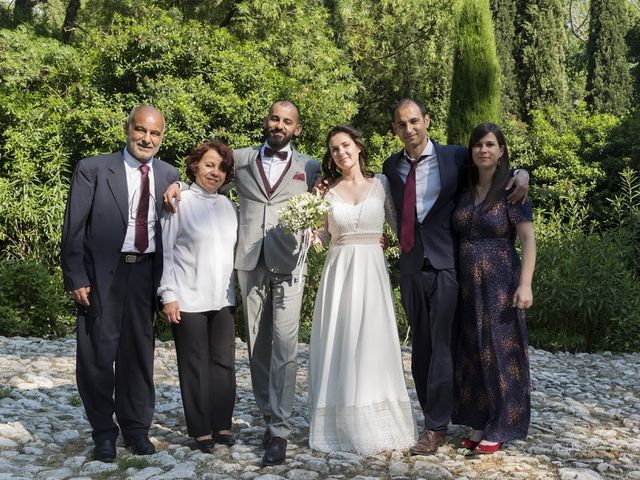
(357, 239)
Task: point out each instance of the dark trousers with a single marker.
(205, 349)
(121, 334)
(430, 298)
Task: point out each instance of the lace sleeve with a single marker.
(323, 234)
(389, 208)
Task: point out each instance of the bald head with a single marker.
(287, 104)
(145, 108)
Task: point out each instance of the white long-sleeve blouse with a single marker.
(198, 249)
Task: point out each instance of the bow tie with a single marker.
(269, 152)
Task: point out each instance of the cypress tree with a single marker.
(504, 15)
(475, 90)
(609, 85)
(540, 55)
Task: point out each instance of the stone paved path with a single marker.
(585, 425)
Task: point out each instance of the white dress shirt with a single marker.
(134, 179)
(274, 167)
(198, 244)
(427, 179)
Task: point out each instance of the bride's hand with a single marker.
(321, 186)
(314, 239)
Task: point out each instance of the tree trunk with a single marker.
(70, 20)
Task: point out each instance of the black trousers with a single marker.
(430, 298)
(115, 355)
(206, 349)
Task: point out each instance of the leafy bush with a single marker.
(587, 288)
(32, 301)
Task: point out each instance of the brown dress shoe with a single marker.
(429, 442)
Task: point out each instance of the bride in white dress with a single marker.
(357, 394)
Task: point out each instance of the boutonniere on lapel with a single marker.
(299, 176)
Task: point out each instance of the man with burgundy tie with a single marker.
(112, 263)
(424, 179)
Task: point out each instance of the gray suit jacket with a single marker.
(95, 223)
(258, 226)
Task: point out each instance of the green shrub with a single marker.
(32, 301)
(587, 296)
(587, 288)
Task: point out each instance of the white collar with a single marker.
(132, 162)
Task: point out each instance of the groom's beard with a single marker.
(277, 138)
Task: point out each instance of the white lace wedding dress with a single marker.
(357, 395)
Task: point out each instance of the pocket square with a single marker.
(299, 176)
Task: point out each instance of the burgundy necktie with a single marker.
(141, 240)
(270, 152)
(409, 208)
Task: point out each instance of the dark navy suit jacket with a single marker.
(95, 224)
(434, 236)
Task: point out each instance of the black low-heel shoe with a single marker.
(206, 445)
(224, 439)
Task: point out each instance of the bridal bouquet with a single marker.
(303, 213)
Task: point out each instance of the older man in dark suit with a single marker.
(425, 178)
(112, 263)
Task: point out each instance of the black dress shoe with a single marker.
(206, 445)
(105, 451)
(276, 452)
(140, 445)
(224, 439)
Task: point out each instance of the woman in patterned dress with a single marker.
(492, 384)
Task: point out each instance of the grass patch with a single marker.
(132, 462)
(5, 392)
(74, 400)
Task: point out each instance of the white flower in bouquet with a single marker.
(302, 212)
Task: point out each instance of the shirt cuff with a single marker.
(168, 296)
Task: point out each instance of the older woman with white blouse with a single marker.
(198, 294)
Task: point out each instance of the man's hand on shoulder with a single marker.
(520, 185)
(171, 197)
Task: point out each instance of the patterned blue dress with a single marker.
(492, 384)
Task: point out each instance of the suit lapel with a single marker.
(442, 165)
(255, 170)
(117, 181)
(158, 182)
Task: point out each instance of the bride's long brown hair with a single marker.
(329, 169)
